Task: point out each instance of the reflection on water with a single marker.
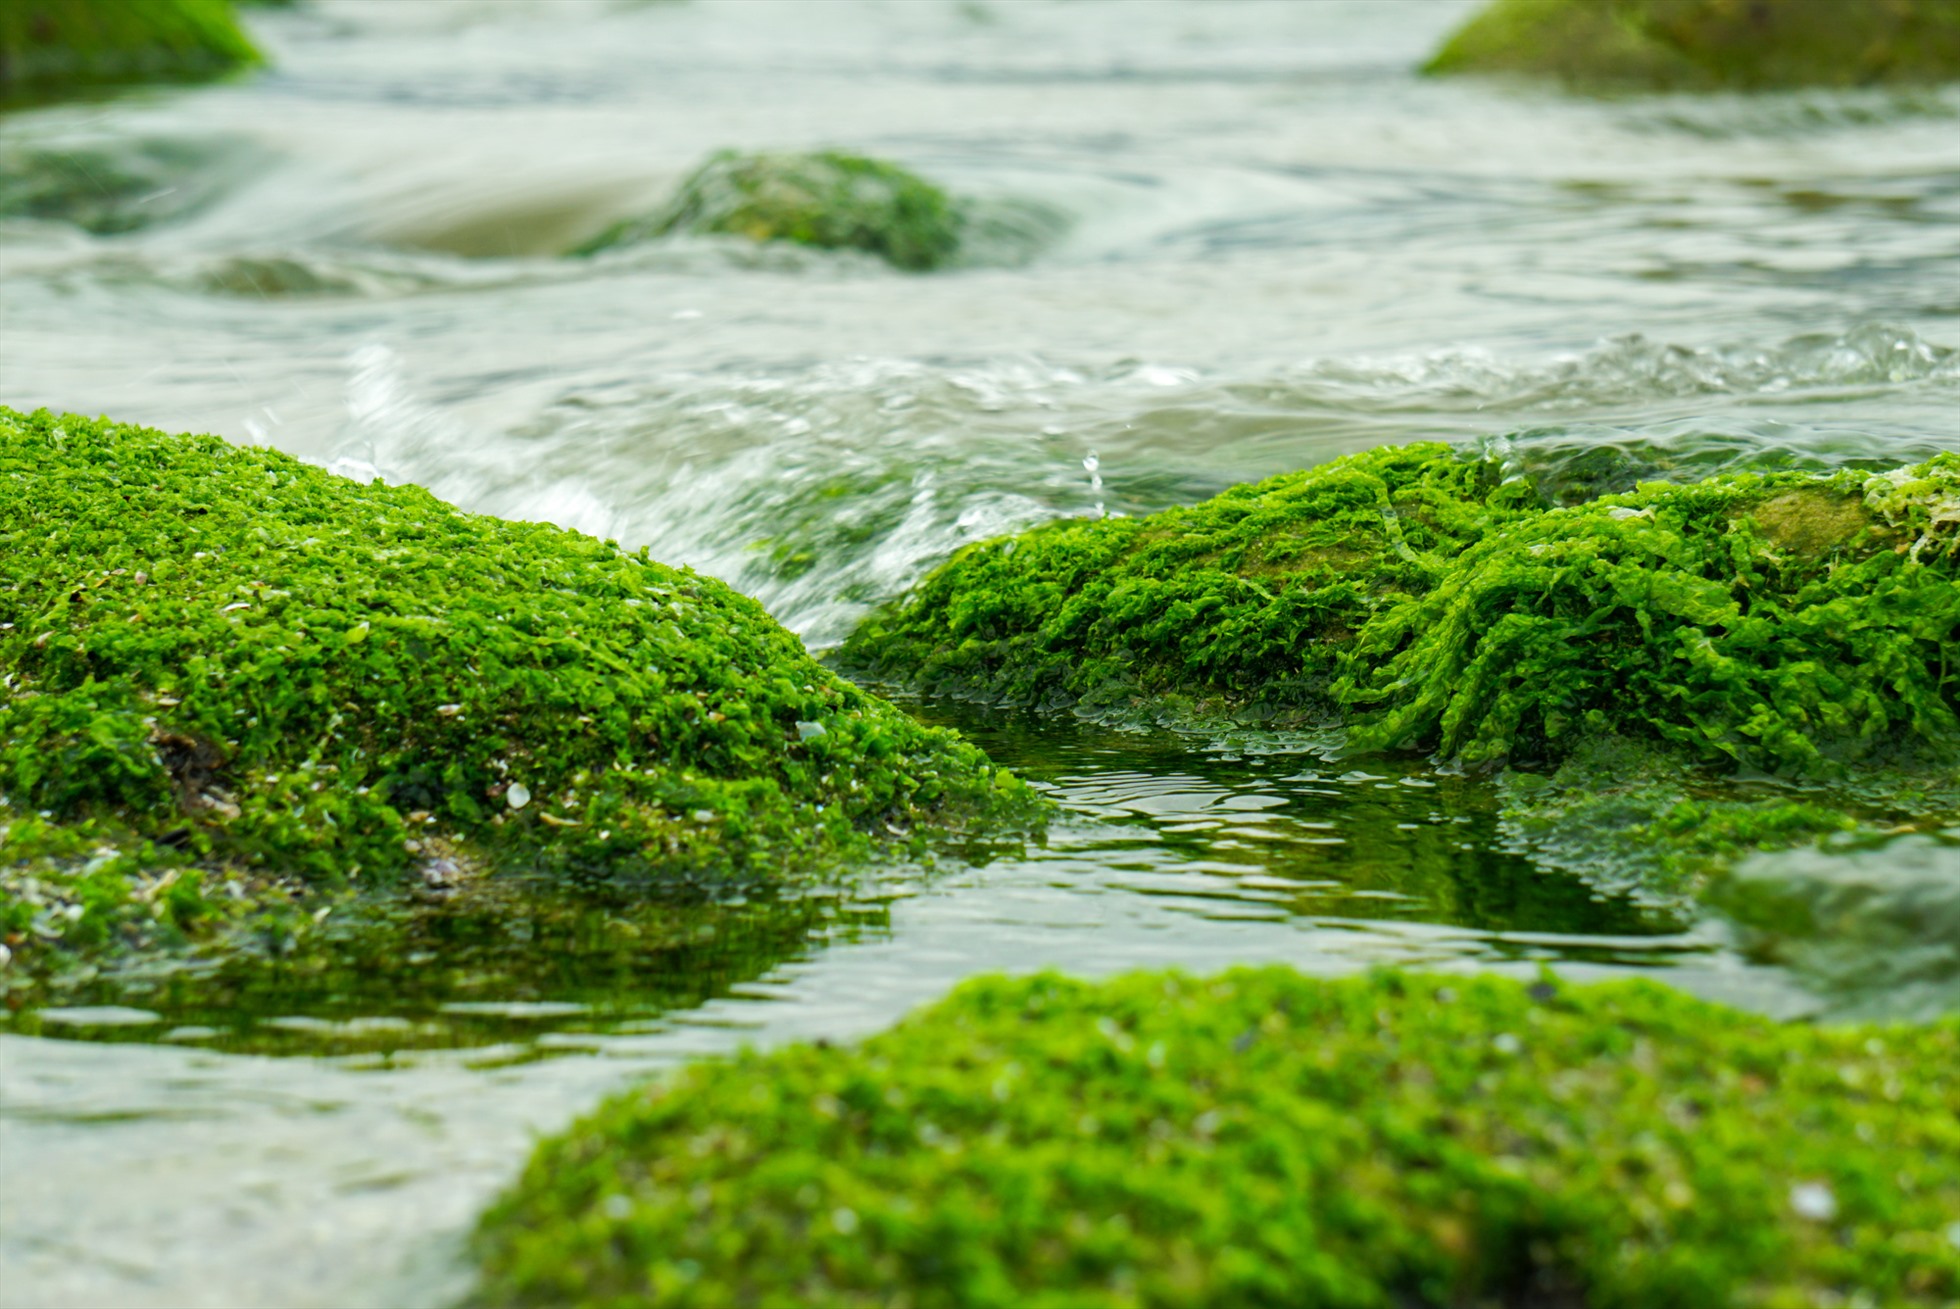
(1263, 242)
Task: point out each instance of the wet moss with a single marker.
(829, 200)
(225, 660)
(1264, 1138)
(1790, 622)
(52, 49)
(1709, 44)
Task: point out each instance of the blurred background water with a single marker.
(1226, 239)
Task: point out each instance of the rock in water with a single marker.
(834, 201)
(52, 49)
(1608, 45)
(1265, 1138)
(1415, 598)
(228, 660)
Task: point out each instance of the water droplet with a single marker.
(1813, 1200)
(518, 795)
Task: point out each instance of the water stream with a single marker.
(1261, 242)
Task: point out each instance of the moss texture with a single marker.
(1788, 622)
(1710, 44)
(225, 660)
(51, 49)
(1263, 1138)
(834, 201)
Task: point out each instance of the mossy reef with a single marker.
(51, 49)
(1264, 1138)
(1695, 45)
(829, 200)
(222, 663)
(1414, 598)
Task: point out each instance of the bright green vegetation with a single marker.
(226, 668)
(50, 49)
(1788, 622)
(1710, 44)
(1264, 1138)
(835, 201)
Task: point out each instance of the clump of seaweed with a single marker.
(1695, 45)
(222, 666)
(1265, 1138)
(1787, 622)
(53, 49)
(827, 199)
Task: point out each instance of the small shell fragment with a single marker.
(518, 795)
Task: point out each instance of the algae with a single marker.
(1698, 45)
(830, 200)
(1414, 599)
(54, 49)
(222, 665)
(1265, 1138)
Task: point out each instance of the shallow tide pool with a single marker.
(1244, 238)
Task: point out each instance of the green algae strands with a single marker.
(829, 200)
(1694, 45)
(1792, 622)
(227, 654)
(51, 49)
(1262, 1138)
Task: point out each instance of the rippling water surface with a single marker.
(1230, 239)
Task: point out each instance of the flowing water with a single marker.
(1222, 240)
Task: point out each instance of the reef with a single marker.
(1265, 1138)
(54, 49)
(231, 677)
(829, 200)
(1416, 599)
(1694, 45)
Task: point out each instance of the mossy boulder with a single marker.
(1710, 44)
(830, 200)
(50, 49)
(222, 659)
(1414, 599)
(1264, 1138)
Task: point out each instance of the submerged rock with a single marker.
(1265, 1138)
(1875, 924)
(1710, 44)
(834, 201)
(50, 49)
(230, 676)
(1411, 598)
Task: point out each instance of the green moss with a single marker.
(1710, 44)
(834, 201)
(1263, 1138)
(1789, 622)
(227, 657)
(50, 49)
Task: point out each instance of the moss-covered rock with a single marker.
(50, 49)
(834, 201)
(223, 659)
(1263, 1138)
(1790, 622)
(1710, 44)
